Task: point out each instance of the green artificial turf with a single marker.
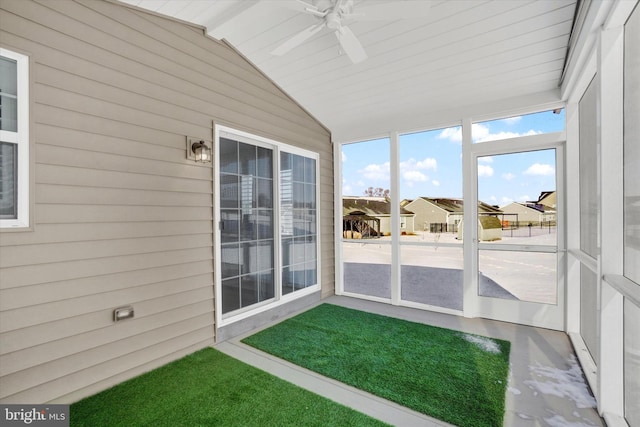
(209, 388)
(446, 374)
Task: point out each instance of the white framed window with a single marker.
(268, 240)
(14, 139)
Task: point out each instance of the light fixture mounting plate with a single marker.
(190, 141)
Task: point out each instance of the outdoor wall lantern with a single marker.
(198, 151)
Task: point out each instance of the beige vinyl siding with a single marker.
(120, 216)
(525, 214)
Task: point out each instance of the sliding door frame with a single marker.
(279, 298)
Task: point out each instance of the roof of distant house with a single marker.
(527, 205)
(372, 206)
(544, 194)
(539, 207)
(454, 205)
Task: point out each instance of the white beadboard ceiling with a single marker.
(466, 57)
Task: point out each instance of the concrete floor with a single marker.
(529, 276)
(546, 385)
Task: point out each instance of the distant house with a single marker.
(536, 212)
(442, 214)
(547, 201)
(371, 217)
(522, 213)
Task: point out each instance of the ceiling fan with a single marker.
(337, 14)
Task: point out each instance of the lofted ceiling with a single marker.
(465, 57)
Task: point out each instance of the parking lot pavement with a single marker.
(529, 276)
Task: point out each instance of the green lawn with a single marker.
(209, 388)
(449, 375)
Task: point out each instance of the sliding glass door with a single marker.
(298, 222)
(267, 223)
(246, 224)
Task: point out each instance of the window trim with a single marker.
(628, 40)
(279, 299)
(21, 139)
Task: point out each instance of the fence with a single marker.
(442, 227)
(528, 229)
(508, 225)
(510, 228)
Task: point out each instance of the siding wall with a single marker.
(425, 212)
(120, 216)
(525, 214)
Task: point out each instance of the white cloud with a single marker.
(540, 169)
(512, 120)
(435, 183)
(493, 198)
(452, 134)
(344, 157)
(485, 159)
(414, 176)
(376, 172)
(481, 133)
(524, 198)
(484, 170)
(347, 189)
(413, 164)
(508, 176)
(411, 170)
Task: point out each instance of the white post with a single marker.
(611, 75)
(337, 207)
(394, 194)
(572, 174)
(470, 224)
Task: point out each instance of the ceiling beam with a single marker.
(222, 25)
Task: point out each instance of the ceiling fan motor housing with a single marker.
(333, 20)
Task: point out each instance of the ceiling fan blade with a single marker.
(407, 9)
(298, 39)
(351, 45)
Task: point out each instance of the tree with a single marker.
(376, 192)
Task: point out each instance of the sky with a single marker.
(431, 162)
